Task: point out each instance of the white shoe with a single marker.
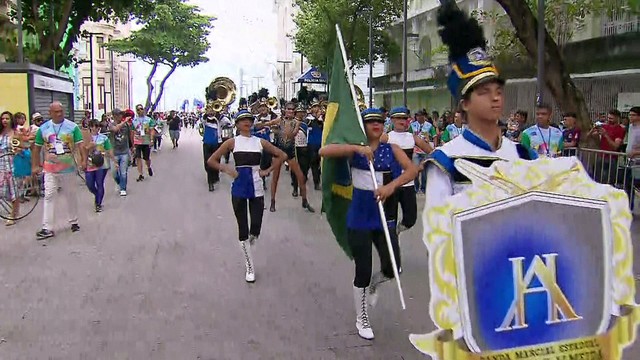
(123, 193)
(250, 275)
(362, 316)
(376, 281)
(400, 228)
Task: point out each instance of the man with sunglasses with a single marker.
(143, 131)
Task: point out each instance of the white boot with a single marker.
(252, 240)
(250, 275)
(376, 281)
(362, 317)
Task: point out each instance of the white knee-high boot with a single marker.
(376, 281)
(250, 275)
(362, 316)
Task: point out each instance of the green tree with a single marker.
(174, 35)
(51, 27)
(563, 18)
(316, 19)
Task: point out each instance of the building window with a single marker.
(100, 43)
(102, 96)
(86, 93)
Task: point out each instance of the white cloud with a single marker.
(243, 37)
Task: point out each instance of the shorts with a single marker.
(174, 134)
(289, 149)
(143, 151)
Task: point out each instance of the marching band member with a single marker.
(246, 188)
(211, 139)
(264, 132)
(302, 150)
(287, 128)
(406, 140)
(364, 226)
(475, 82)
(314, 141)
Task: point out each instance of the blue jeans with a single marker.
(95, 183)
(421, 180)
(120, 175)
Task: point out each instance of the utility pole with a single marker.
(404, 53)
(371, 57)
(541, 38)
(20, 41)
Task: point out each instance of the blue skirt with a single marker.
(22, 164)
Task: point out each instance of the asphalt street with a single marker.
(159, 275)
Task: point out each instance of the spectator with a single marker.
(571, 133)
(543, 138)
(610, 133)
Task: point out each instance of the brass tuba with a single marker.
(361, 104)
(220, 93)
(272, 103)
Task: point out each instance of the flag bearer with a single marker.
(364, 226)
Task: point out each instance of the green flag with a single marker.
(341, 126)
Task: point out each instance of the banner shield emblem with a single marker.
(544, 277)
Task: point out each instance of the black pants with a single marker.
(302, 156)
(256, 209)
(360, 242)
(157, 141)
(213, 176)
(407, 199)
(314, 163)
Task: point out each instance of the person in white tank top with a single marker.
(407, 141)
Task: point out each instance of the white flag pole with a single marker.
(383, 218)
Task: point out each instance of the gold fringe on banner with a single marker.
(440, 344)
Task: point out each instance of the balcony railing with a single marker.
(620, 27)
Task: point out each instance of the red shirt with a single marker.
(615, 132)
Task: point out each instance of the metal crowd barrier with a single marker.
(612, 168)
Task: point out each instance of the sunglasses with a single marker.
(139, 109)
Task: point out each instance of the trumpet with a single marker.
(272, 103)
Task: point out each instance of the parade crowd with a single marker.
(412, 155)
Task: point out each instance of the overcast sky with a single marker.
(243, 37)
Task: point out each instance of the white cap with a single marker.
(36, 115)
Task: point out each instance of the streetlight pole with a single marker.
(129, 96)
(284, 84)
(541, 39)
(93, 99)
(404, 53)
(258, 79)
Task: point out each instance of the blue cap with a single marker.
(471, 70)
(243, 114)
(399, 111)
(372, 114)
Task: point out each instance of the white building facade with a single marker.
(109, 85)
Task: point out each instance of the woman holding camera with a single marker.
(97, 167)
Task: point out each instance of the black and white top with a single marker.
(406, 142)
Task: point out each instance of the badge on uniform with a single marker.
(533, 261)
